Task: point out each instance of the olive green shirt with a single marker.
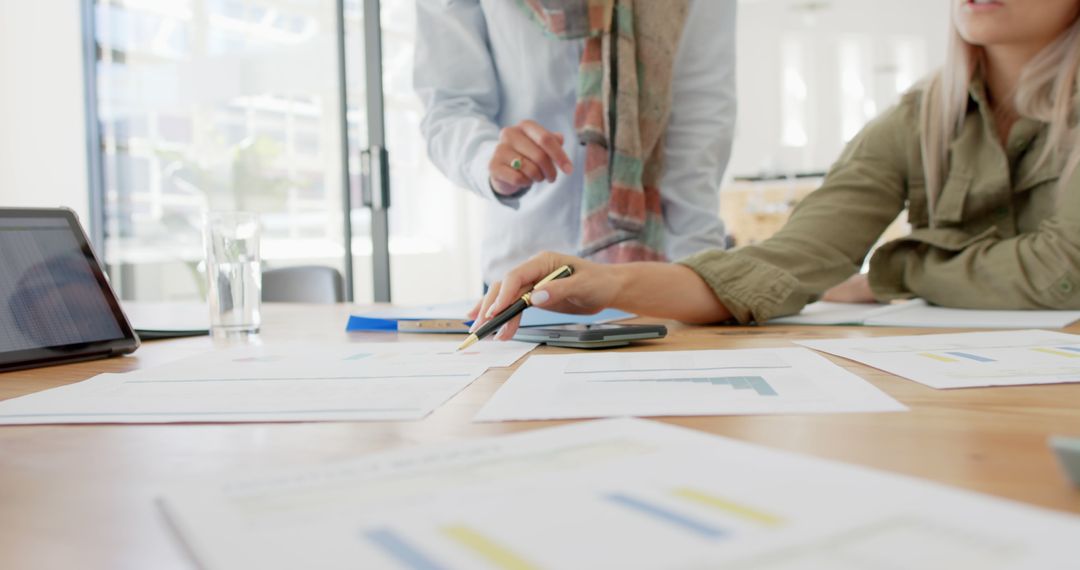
(1004, 236)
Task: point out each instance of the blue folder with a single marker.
(449, 318)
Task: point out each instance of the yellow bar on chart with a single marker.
(1057, 352)
(730, 507)
(487, 548)
(938, 357)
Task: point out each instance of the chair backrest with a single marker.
(303, 284)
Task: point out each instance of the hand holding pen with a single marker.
(523, 302)
(592, 288)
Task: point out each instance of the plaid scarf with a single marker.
(624, 102)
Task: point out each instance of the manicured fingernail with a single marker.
(474, 325)
(540, 297)
(490, 312)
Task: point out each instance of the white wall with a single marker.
(820, 29)
(42, 124)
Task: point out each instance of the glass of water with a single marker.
(233, 270)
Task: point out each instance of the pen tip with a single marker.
(471, 340)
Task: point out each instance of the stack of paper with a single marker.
(684, 383)
(967, 360)
(274, 382)
(612, 494)
(918, 313)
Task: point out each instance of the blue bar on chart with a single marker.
(402, 551)
(667, 515)
(756, 383)
(970, 356)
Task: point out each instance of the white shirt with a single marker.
(483, 64)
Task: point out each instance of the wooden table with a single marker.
(83, 496)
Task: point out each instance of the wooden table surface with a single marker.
(83, 496)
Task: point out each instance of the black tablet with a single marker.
(55, 303)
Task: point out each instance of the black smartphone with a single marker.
(597, 335)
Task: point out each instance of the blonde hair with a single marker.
(1046, 92)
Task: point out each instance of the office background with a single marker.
(198, 104)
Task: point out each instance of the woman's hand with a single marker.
(534, 151)
(855, 290)
(592, 288)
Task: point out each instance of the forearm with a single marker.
(666, 290)
(455, 78)
(1033, 271)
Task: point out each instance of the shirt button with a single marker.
(1065, 286)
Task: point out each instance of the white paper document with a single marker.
(682, 383)
(917, 313)
(275, 382)
(624, 493)
(967, 360)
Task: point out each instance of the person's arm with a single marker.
(652, 289)
(824, 242)
(1035, 270)
(829, 232)
(700, 130)
(455, 78)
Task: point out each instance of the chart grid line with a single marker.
(633, 370)
(195, 414)
(203, 380)
(755, 383)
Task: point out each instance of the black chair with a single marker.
(303, 284)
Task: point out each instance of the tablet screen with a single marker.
(53, 297)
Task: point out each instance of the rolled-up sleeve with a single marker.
(700, 129)
(1033, 270)
(455, 78)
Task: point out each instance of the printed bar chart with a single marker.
(967, 360)
(756, 383)
(703, 382)
(652, 496)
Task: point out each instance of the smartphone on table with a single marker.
(596, 335)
